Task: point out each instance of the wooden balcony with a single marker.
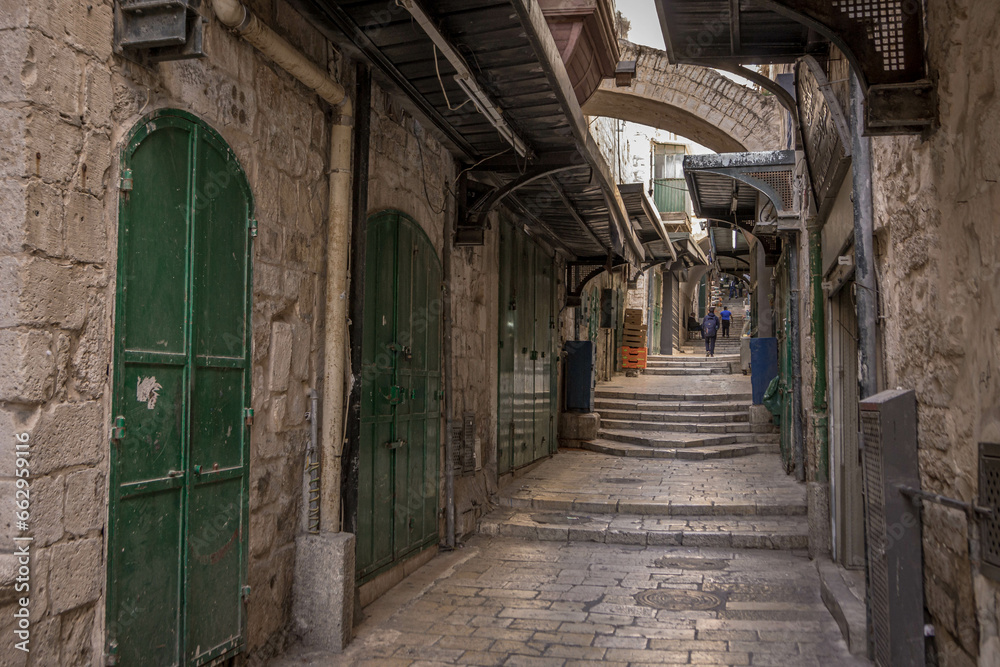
(584, 31)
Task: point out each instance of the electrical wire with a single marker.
(423, 179)
(437, 69)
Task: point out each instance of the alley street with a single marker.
(674, 538)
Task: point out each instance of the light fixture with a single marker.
(734, 238)
(624, 73)
(465, 80)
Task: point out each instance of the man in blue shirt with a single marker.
(726, 320)
(709, 330)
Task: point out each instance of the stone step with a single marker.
(729, 532)
(685, 427)
(603, 405)
(692, 360)
(673, 417)
(665, 440)
(602, 504)
(626, 395)
(688, 371)
(688, 454)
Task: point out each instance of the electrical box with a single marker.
(159, 29)
(892, 527)
(580, 376)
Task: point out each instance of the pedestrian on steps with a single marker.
(709, 330)
(727, 318)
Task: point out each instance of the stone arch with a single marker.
(695, 102)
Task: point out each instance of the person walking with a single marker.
(727, 318)
(709, 330)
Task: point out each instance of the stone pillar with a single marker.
(323, 593)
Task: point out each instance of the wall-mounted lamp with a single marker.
(624, 73)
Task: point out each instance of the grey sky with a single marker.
(645, 23)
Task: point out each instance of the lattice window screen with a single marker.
(883, 24)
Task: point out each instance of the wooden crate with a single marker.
(634, 339)
(633, 357)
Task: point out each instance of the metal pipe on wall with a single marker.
(864, 256)
(359, 243)
(235, 15)
(446, 349)
(798, 454)
(821, 419)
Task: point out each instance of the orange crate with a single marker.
(633, 357)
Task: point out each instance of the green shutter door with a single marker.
(400, 385)
(506, 343)
(527, 385)
(179, 455)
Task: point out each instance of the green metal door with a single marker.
(507, 349)
(400, 396)
(527, 370)
(181, 396)
(656, 317)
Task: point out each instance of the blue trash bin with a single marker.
(763, 365)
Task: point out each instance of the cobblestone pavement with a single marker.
(502, 601)
(581, 480)
(593, 558)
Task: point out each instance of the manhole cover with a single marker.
(692, 563)
(678, 599)
(560, 519)
(623, 480)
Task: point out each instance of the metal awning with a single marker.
(729, 256)
(688, 250)
(646, 222)
(735, 188)
(561, 187)
(883, 39)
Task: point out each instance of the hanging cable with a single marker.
(437, 69)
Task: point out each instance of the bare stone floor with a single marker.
(614, 560)
(504, 601)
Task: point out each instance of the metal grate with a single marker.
(781, 183)
(882, 21)
(989, 496)
(878, 566)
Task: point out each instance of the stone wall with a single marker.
(66, 104)
(937, 244)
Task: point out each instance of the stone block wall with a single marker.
(66, 104)
(937, 203)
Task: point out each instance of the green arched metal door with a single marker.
(400, 395)
(180, 444)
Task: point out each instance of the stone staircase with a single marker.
(678, 469)
(695, 427)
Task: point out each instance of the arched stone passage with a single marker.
(695, 102)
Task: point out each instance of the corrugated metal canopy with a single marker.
(646, 221)
(510, 52)
(733, 32)
(688, 250)
(729, 187)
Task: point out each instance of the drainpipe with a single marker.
(793, 279)
(864, 259)
(819, 356)
(449, 401)
(235, 15)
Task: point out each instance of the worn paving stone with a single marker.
(578, 634)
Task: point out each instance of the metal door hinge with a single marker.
(248, 416)
(118, 430)
(245, 593)
(252, 227)
(125, 182)
(111, 656)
